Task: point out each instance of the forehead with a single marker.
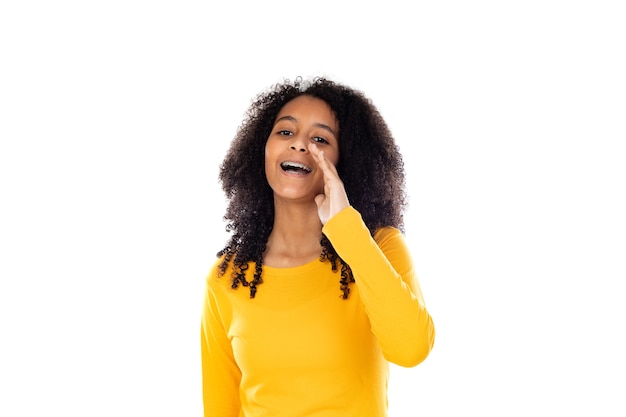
(307, 107)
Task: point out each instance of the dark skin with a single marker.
(371, 173)
(304, 200)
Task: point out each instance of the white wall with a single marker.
(114, 117)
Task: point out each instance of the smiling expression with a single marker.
(290, 168)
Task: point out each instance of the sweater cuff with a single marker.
(344, 225)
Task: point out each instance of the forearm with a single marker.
(387, 286)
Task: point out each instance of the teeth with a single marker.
(295, 165)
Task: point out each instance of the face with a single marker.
(290, 167)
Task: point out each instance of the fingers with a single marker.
(319, 199)
(319, 155)
(315, 151)
(334, 198)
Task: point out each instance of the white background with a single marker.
(115, 115)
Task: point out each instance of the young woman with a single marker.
(315, 291)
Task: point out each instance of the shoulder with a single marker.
(388, 235)
(220, 276)
(217, 276)
(392, 243)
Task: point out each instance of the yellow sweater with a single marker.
(298, 349)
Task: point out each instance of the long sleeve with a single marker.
(220, 374)
(388, 287)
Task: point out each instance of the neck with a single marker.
(295, 236)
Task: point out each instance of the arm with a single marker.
(220, 373)
(383, 270)
(388, 286)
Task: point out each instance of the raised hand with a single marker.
(334, 199)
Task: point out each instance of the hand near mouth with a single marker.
(334, 198)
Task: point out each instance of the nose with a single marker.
(298, 144)
(298, 148)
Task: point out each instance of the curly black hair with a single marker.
(370, 166)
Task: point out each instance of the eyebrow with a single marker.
(320, 125)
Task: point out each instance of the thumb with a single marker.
(319, 199)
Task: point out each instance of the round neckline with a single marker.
(292, 270)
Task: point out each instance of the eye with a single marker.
(284, 132)
(319, 139)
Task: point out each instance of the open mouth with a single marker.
(295, 167)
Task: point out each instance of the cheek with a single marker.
(266, 166)
(266, 154)
(270, 150)
(268, 158)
